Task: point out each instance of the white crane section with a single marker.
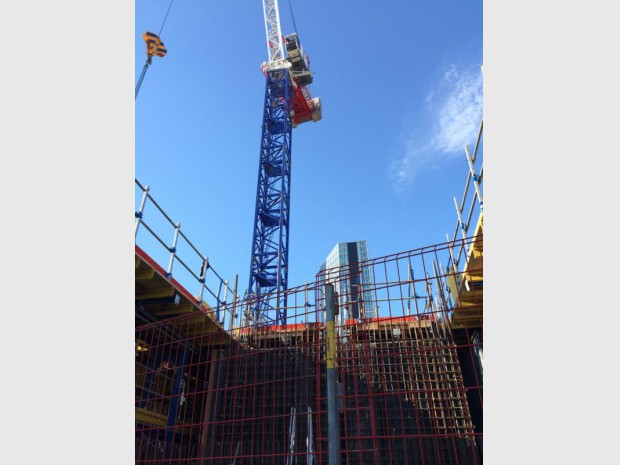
(275, 48)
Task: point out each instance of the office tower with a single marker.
(352, 281)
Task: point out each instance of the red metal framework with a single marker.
(409, 380)
(302, 104)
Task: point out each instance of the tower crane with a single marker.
(287, 104)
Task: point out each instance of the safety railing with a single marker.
(196, 270)
(471, 203)
(406, 284)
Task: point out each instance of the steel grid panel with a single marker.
(409, 379)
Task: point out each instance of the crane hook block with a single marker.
(154, 45)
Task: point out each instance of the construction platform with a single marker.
(159, 296)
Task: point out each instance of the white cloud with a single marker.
(455, 106)
(415, 155)
(451, 74)
(460, 113)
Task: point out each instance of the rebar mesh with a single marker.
(409, 379)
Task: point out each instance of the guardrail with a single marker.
(475, 202)
(195, 265)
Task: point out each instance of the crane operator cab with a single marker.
(300, 68)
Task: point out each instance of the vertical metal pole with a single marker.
(333, 430)
(441, 298)
(140, 211)
(219, 302)
(236, 453)
(409, 286)
(462, 225)
(475, 177)
(225, 307)
(203, 277)
(291, 434)
(306, 306)
(453, 261)
(310, 440)
(233, 313)
(173, 249)
(225, 291)
(208, 409)
(181, 360)
(445, 291)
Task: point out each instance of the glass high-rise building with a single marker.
(352, 282)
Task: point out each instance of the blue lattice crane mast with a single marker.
(287, 104)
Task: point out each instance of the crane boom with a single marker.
(275, 50)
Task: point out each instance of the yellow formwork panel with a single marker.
(150, 418)
(468, 293)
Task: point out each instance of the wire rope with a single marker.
(290, 7)
(165, 18)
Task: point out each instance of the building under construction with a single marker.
(377, 361)
(213, 386)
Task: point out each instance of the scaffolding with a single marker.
(465, 283)
(408, 383)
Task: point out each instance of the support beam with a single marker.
(213, 369)
(144, 275)
(158, 293)
(176, 310)
(175, 399)
(333, 429)
(150, 418)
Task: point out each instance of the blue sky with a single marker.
(401, 88)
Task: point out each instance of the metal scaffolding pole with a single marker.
(333, 430)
